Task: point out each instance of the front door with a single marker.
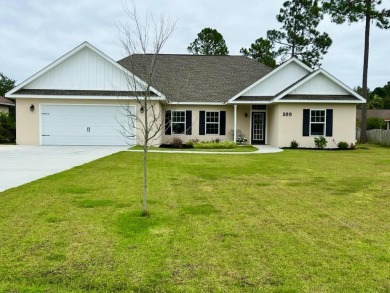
(258, 127)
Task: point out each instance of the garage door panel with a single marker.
(84, 125)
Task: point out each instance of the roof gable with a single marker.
(83, 68)
(319, 83)
(277, 80)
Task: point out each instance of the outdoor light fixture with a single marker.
(246, 115)
(142, 110)
(32, 107)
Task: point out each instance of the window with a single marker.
(317, 122)
(212, 122)
(178, 122)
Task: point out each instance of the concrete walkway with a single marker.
(22, 164)
(262, 149)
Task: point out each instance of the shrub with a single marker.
(177, 142)
(376, 123)
(294, 144)
(342, 145)
(215, 145)
(352, 146)
(320, 142)
(190, 143)
(7, 128)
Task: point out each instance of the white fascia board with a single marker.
(197, 103)
(70, 97)
(67, 56)
(250, 103)
(320, 102)
(327, 75)
(280, 67)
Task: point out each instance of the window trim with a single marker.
(184, 122)
(323, 123)
(217, 123)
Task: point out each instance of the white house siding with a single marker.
(290, 127)
(85, 70)
(278, 81)
(319, 85)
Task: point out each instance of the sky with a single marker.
(34, 33)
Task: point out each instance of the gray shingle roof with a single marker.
(383, 113)
(199, 78)
(4, 101)
(255, 98)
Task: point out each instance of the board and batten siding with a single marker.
(319, 85)
(278, 81)
(85, 70)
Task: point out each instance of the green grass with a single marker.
(239, 148)
(296, 221)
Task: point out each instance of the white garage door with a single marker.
(85, 125)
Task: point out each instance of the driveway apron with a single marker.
(23, 164)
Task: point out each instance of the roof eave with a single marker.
(86, 97)
(320, 101)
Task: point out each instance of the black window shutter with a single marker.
(202, 122)
(306, 122)
(188, 122)
(329, 122)
(168, 114)
(222, 123)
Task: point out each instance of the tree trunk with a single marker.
(363, 124)
(145, 161)
(145, 165)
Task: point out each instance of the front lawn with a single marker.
(296, 221)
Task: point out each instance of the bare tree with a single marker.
(142, 40)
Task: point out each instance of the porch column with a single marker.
(235, 124)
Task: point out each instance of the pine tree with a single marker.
(351, 11)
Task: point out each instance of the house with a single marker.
(78, 98)
(5, 104)
(379, 113)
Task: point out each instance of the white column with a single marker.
(235, 124)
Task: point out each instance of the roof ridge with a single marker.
(184, 54)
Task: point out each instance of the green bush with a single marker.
(294, 144)
(376, 123)
(215, 145)
(342, 145)
(190, 143)
(7, 128)
(320, 142)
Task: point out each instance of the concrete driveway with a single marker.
(22, 164)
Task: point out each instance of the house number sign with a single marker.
(287, 114)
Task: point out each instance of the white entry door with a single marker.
(86, 125)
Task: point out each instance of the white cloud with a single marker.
(35, 33)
